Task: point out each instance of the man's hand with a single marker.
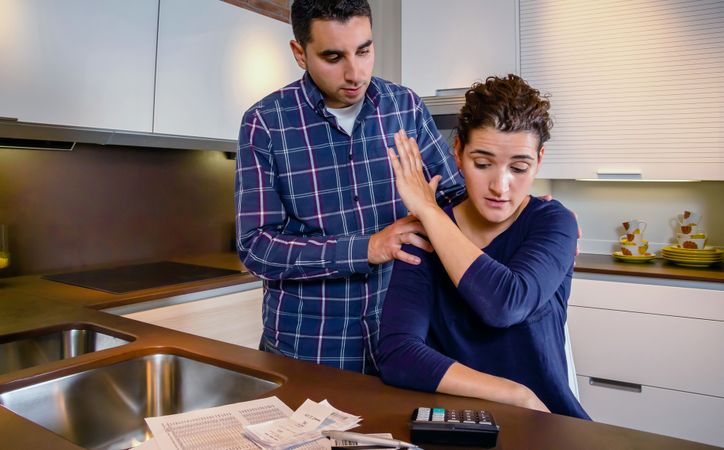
(386, 245)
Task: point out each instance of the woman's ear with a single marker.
(457, 151)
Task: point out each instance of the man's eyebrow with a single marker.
(487, 153)
(335, 52)
(365, 45)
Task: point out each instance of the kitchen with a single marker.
(138, 199)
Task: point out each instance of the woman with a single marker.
(483, 315)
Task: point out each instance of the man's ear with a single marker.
(298, 53)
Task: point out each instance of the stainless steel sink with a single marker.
(42, 346)
(104, 408)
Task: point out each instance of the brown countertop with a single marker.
(658, 268)
(30, 302)
(383, 408)
(37, 286)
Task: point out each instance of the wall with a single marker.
(110, 205)
(387, 35)
(603, 206)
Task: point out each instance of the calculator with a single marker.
(472, 427)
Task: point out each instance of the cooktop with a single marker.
(119, 280)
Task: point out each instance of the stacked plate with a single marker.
(691, 257)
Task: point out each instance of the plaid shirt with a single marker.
(308, 198)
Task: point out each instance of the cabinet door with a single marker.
(663, 351)
(663, 411)
(84, 63)
(449, 45)
(233, 318)
(215, 60)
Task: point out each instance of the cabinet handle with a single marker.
(614, 384)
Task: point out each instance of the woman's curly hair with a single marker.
(506, 104)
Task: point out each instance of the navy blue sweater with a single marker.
(505, 318)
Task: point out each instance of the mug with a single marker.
(632, 225)
(688, 218)
(629, 248)
(692, 241)
(688, 229)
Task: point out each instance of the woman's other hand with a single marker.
(415, 191)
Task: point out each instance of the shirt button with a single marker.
(356, 198)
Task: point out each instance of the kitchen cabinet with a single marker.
(78, 62)
(215, 60)
(635, 87)
(448, 45)
(649, 357)
(233, 318)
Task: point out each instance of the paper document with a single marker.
(265, 423)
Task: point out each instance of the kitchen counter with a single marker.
(30, 302)
(658, 268)
(383, 408)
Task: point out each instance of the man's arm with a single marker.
(437, 157)
(261, 216)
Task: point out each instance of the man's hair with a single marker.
(304, 11)
(506, 104)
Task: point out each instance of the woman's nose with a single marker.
(500, 183)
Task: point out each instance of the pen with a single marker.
(366, 439)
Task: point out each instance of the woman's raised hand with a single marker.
(415, 191)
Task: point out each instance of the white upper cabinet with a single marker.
(215, 60)
(452, 44)
(84, 63)
(637, 88)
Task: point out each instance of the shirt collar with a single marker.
(315, 99)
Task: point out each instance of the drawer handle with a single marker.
(613, 384)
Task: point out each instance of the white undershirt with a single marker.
(346, 116)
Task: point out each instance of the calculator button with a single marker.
(423, 414)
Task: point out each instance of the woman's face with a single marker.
(499, 169)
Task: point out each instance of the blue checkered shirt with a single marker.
(308, 198)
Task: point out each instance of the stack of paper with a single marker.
(265, 423)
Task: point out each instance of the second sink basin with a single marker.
(46, 345)
(104, 408)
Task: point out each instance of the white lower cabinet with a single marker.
(650, 357)
(664, 411)
(233, 318)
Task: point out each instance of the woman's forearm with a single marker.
(464, 381)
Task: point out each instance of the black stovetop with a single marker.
(119, 280)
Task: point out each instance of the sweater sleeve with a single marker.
(505, 295)
(404, 358)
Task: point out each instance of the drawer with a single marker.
(233, 318)
(679, 414)
(647, 298)
(660, 351)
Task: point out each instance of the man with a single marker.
(318, 217)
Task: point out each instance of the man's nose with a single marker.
(352, 71)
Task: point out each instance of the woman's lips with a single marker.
(496, 202)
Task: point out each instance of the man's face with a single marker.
(339, 57)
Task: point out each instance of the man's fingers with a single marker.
(406, 257)
(417, 241)
(435, 182)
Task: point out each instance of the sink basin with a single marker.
(42, 346)
(104, 408)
